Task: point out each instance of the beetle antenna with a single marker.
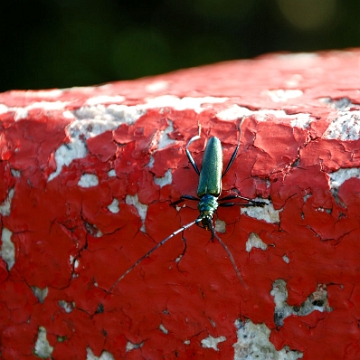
(162, 242)
(188, 154)
(239, 129)
(196, 137)
(229, 254)
(233, 156)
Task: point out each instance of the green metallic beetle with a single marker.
(208, 192)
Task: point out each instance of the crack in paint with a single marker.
(43, 349)
(283, 95)
(234, 112)
(253, 343)
(163, 329)
(345, 127)
(5, 207)
(7, 251)
(40, 293)
(179, 258)
(254, 241)
(212, 343)
(337, 178)
(105, 355)
(132, 346)
(88, 180)
(165, 180)
(266, 213)
(114, 206)
(67, 306)
(220, 226)
(141, 208)
(338, 104)
(164, 140)
(93, 230)
(316, 301)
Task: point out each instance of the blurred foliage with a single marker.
(64, 43)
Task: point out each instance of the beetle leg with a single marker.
(183, 198)
(251, 202)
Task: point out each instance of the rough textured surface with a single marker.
(87, 178)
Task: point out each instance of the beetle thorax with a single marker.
(207, 206)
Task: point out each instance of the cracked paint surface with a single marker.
(253, 343)
(316, 301)
(42, 347)
(87, 180)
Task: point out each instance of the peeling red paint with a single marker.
(68, 239)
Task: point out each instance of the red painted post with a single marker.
(88, 176)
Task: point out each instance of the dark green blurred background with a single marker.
(64, 43)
